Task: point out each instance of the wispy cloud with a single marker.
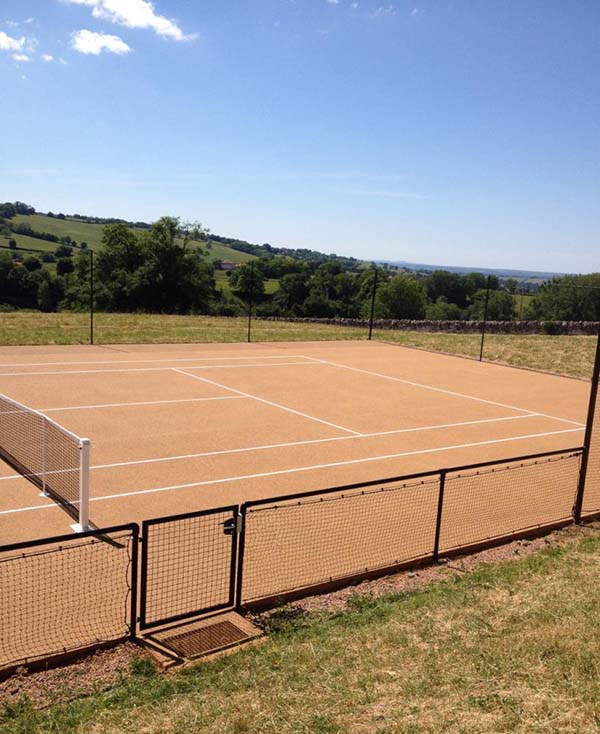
(89, 42)
(383, 10)
(47, 57)
(413, 12)
(135, 14)
(21, 57)
(333, 2)
(7, 43)
(28, 21)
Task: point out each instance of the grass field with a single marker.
(507, 647)
(92, 234)
(569, 355)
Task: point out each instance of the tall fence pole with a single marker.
(91, 296)
(438, 522)
(373, 294)
(485, 315)
(589, 429)
(250, 301)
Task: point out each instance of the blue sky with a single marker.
(444, 131)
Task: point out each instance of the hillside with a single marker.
(91, 233)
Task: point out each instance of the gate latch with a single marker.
(233, 525)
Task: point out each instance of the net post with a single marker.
(84, 488)
(589, 428)
(438, 521)
(44, 455)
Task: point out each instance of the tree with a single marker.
(570, 298)
(500, 306)
(441, 310)
(400, 298)
(65, 266)
(63, 251)
(50, 293)
(511, 285)
(12, 243)
(32, 263)
(248, 282)
(293, 291)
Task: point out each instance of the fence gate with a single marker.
(188, 565)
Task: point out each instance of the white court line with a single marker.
(289, 444)
(267, 402)
(149, 361)
(148, 402)
(153, 369)
(280, 472)
(442, 390)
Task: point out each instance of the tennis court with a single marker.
(179, 428)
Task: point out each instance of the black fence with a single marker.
(62, 595)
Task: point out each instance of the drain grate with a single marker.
(206, 636)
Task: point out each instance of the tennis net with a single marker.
(48, 455)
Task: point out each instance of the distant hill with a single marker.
(500, 272)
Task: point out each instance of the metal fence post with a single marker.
(485, 314)
(438, 522)
(250, 300)
(91, 297)
(135, 539)
(373, 294)
(589, 429)
(240, 556)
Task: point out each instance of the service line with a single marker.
(296, 470)
(443, 390)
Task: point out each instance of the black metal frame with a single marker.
(100, 534)
(589, 429)
(145, 541)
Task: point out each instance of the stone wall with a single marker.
(459, 327)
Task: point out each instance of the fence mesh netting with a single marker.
(187, 565)
(493, 502)
(59, 597)
(591, 497)
(306, 542)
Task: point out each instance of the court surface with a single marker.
(178, 428)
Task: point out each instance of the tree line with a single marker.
(164, 269)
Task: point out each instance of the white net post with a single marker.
(44, 455)
(84, 488)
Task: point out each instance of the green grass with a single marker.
(29, 243)
(76, 229)
(511, 647)
(568, 355)
(92, 234)
(565, 355)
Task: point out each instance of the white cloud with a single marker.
(333, 2)
(384, 10)
(414, 11)
(11, 23)
(62, 61)
(21, 57)
(11, 44)
(47, 57)
(354, 5)
(29, 20)
(134, 14)
(88, 42)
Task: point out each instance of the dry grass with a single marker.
(568, 355)
(512, 647)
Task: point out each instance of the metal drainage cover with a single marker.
(207, 636)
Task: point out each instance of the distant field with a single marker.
(222, 283)
(92, 234)
(568, 355)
